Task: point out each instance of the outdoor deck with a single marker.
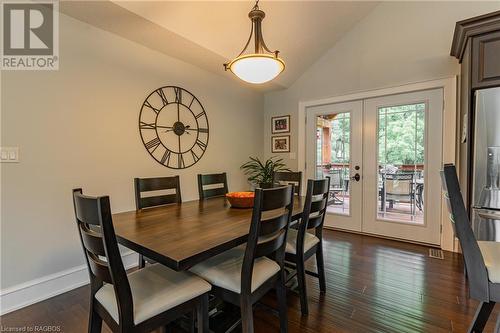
(400, 211)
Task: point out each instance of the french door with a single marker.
(383, 156)
(335, 132)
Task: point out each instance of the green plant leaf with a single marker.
(262, 172)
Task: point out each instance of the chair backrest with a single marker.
(474, 262)
(336, 178)
(314, 212)
(288, 178)
(399, 183)
(98, 239)
(272, 212)
(216, 183)
(144, 185)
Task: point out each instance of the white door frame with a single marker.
(449, 86)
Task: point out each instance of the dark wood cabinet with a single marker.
(486, 60)
(476, 44)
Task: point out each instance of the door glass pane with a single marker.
(333, 133)
(401, 144)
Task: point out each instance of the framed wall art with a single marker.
(280, 144)
(280, 124)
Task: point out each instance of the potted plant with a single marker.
(260, 173)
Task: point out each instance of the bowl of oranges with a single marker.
(240, 199)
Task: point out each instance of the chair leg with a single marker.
(497, 326)
(301, 278)
(246, 315)
(192, 321)
(320, 264)
(202, 314)
(481, 318)
(142, 262)
(95, 321)
(281, 295)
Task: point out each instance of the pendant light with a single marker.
(261, 66)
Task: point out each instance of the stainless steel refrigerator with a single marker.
(486, 165)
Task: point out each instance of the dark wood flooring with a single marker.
(374, 285)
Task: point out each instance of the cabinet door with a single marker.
(486, 60)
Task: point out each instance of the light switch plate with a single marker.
(9, 154)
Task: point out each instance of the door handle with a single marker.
(356, 177)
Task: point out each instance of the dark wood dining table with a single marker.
(183, 235)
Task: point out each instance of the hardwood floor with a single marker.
(373, 285)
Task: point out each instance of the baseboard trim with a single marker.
(37, 290)
(381, 236)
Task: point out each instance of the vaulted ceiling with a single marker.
(208, 33)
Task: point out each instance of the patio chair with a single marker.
(399, 187)
(337, 186)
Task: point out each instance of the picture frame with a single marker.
(280, 144)
(280, 124)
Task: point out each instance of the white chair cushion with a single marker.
(155, 289)
(291, 241)
(224, 270)
(491, 257)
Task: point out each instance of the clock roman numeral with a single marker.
(201, 144)
(195, 157)
(162, 96)
(202, 130)
(180, 161)
(178, 95)
(200, 114)
(144, 125)
(165, 159)
(191, 103)
(146, 103)
(152, 145)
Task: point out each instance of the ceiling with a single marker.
(209, 33)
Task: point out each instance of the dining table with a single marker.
(182, 235)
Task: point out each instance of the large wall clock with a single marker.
(174, 127)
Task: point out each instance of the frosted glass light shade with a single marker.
(257, 68)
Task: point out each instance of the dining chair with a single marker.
(482, 258)
(281, 178)
(143, 186)
(141, 301)
(307, 240)
(244, 274)
(216, 185)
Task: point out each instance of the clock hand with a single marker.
(202, 130)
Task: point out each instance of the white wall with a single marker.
(78, 127)
(397, 43)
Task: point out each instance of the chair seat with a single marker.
(491, 256)
(291, 241)
(155, 289)
(224, 270)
